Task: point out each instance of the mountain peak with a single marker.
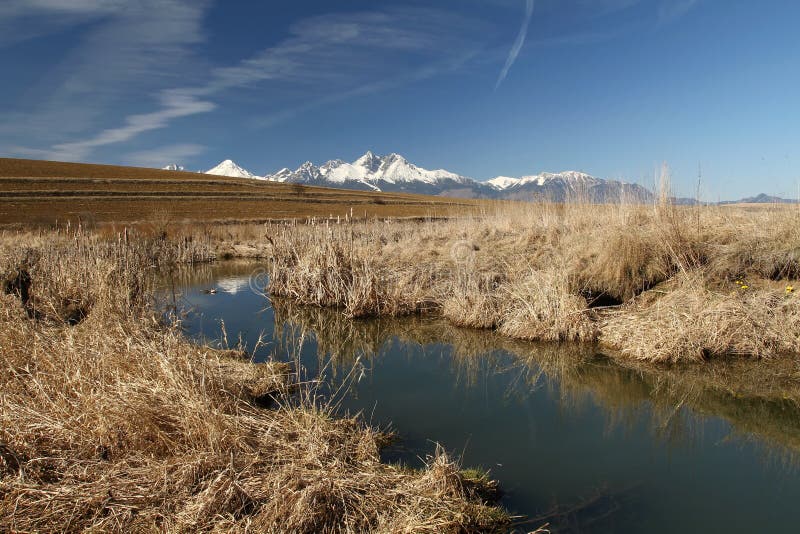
(503, 182)
(173, 167)
(394, 164)
(369, 161)
(229, 168)
(570, 178)
(281, 176)
(307, 172)
(394, 157)
(331, 164)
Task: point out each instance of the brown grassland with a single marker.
(110, 420)
(47, 192)
(654, 283)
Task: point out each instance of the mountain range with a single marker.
(393, 173)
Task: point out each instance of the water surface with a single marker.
(574, 438)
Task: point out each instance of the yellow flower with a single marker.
(739, 282)
(743, 287)
(789, 289)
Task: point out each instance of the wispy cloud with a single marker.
(332, 58)
(517, 46)
(324, 59)
(378, 85)
(21, 20)
(671, 10)
(349, 48)
(164, 155)
(132, 49)
(15, 8)
(174, 105)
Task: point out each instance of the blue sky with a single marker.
(482, 88)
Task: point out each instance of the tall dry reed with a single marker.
(115, 422)
(557, 271)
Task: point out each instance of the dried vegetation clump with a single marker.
(565, 272)
(117, 423)
(692, 322)
(540, 307)
(339, 266)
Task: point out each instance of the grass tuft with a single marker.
(694, 323)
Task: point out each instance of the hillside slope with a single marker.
(44, 192)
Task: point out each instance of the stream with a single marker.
(575, 439)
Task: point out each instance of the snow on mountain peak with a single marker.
(173, 167)
(229, 168)
(369, 161)
(281, 176)
(570, 178)
(393, 157)
(307, 172)
(393, 172)
(503, 182)
(371, 172)
(330, 165)
(394, 169)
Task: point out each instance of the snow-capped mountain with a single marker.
(503, 182)
(381, 173)
(282, 175)
(173, 167)
(569, 177)
(229, 168)
(393, 173)
(567, 185)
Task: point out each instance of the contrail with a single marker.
(523, 32)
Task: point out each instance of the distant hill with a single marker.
(761, 199)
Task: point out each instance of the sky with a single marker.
(481, 88)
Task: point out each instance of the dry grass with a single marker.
(532, 271)
(691, 322)
(567, 272)
(540, 307)
(336, 265)
(119, 424)
(764, 245)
